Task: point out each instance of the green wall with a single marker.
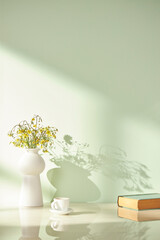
(91, 68)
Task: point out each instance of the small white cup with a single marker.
(60, 204)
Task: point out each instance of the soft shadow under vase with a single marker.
(31, 165)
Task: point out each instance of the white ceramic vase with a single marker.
(31, 165)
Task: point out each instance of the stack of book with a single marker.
(141, 207)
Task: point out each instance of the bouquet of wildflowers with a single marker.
(33, 135)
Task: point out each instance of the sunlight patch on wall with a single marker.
(80, 112)
(32, 89)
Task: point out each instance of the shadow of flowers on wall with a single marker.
(75, 166)
(72, 176)
(114, 164)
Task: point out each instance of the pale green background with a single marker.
(92, 69)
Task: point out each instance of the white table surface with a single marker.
(86, 222)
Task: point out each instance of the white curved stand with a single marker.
(31, 165)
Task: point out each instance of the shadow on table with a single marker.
(68, 231)
(82, 213)
(75, 166)
(96, 231)
(119, 231)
